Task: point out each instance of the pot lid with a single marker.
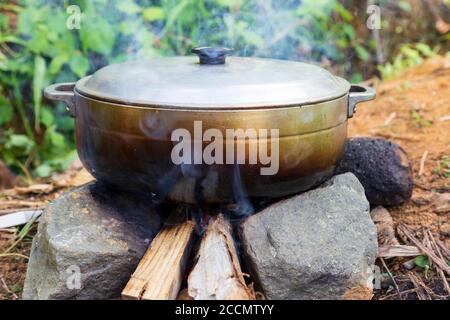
(213, 82)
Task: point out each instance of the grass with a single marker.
(419, 121)
(443, 167)
(21, 235)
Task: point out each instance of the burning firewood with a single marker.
(217, 274)
(184, 191)
(160, 272)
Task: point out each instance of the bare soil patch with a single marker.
(413, 110)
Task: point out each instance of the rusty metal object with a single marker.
(124, 136)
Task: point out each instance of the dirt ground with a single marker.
(413, 110)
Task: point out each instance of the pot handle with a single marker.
(358, 93)
(62, 92)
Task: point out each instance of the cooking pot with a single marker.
(128, 114)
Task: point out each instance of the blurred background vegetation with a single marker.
(37, 49)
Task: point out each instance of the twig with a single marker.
(33, 189)
(426, 239)
(445, 250)
(418, 289)
(7, 255)
(436, 249)
(422, 292)
(389, 119)
(427, 251)
(396, 294)
(8, 204)
(10, 230)
(427, 289)
(392, 278)
(422, 162)
(5, 286)
(398, 251)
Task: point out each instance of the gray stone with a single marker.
(316, 245)
(100, 232)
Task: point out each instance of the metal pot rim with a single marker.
(81, 90)
(238, 83)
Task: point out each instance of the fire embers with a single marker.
(211, 184)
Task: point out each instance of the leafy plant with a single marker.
(37, 48)
(410, 55)
(423, 262)
(419, 121)
(443, 167)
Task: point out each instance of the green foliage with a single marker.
(423, 262)
(153, 14)
(6, 111)
(419, 121)
(34, 53)
(410, 55)
(443, 167)
(38, 49)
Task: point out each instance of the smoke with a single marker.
(292, 29)
(270, 29)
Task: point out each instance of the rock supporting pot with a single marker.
(88, 242)
(317, 245)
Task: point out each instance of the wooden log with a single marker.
(160, 273)
(184, 190)
(398, 251)
(217, 274)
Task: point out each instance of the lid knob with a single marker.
(212, 55)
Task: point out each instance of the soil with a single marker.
(411, 110)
